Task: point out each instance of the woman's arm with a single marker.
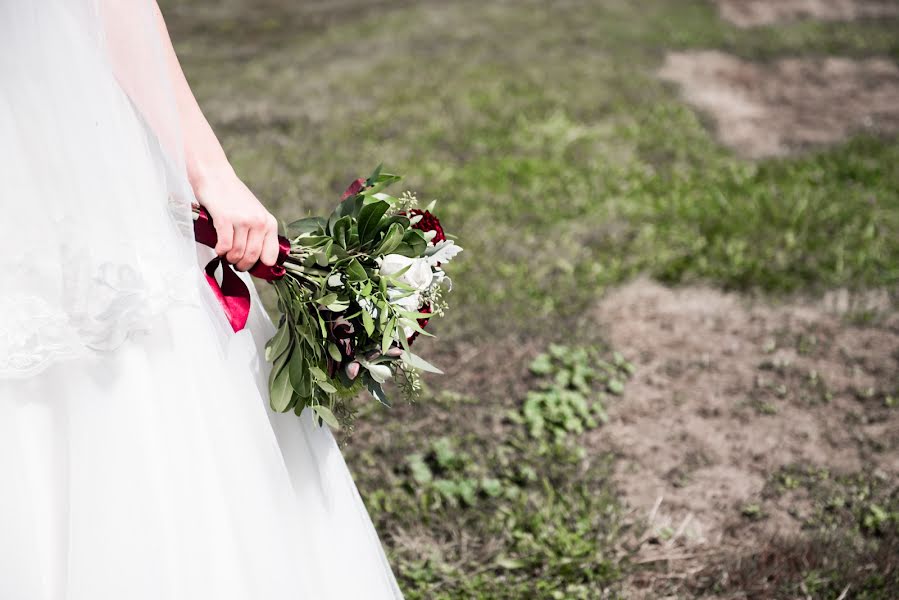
(247, 232)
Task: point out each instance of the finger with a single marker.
(225, 233)
(254, 247)
(239, 245)
(270, 247)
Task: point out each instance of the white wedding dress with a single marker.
(138, 457)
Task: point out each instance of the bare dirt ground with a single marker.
(727, 391)
(752, 13)
(792, 104)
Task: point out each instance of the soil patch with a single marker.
(792, 104)
(728, 391)
(753, 13)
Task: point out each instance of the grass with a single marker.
(483, 517)
(557, 152)
(565, 167)
(852, 544)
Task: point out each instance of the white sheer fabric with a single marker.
(95, 226)
(138, 457)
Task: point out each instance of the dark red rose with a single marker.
(428, 222)
(355, 187)
(421, 323)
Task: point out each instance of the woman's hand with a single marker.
(247, 232)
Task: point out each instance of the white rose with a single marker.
(418, 275)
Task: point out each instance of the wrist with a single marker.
(206, 177)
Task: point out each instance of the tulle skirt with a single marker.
(139, 459)
(157, 471)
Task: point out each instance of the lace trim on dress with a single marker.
(35, 333)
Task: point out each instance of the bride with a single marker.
(138, 456)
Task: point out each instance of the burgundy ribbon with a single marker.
(233, 294)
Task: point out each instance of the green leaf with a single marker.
(326, 387)
(332, 220)
(327, 299)
(415, 315)
(307, 225)
(300, 378)
(369, 217)
(392, 239)
(352, 206)
(368, 323)
(377, 391)
(339, 306)
(314, 241)
(325, 414)
(280, 391)
(413, 324)
(373, 178)
(387, 338)
(341, 231)
(355, 271)
(382, 312)
(279, 343)
(416, 240)
(401, 219)
(334, 351)
(417, 362)
(317, 373)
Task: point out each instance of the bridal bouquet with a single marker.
(354, 290)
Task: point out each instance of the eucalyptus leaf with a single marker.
(280, 392)
(417, 362)
(325, 414)
(334, 352)
(326, 387)
(278, 344)
(277, 366)
(300, 378)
